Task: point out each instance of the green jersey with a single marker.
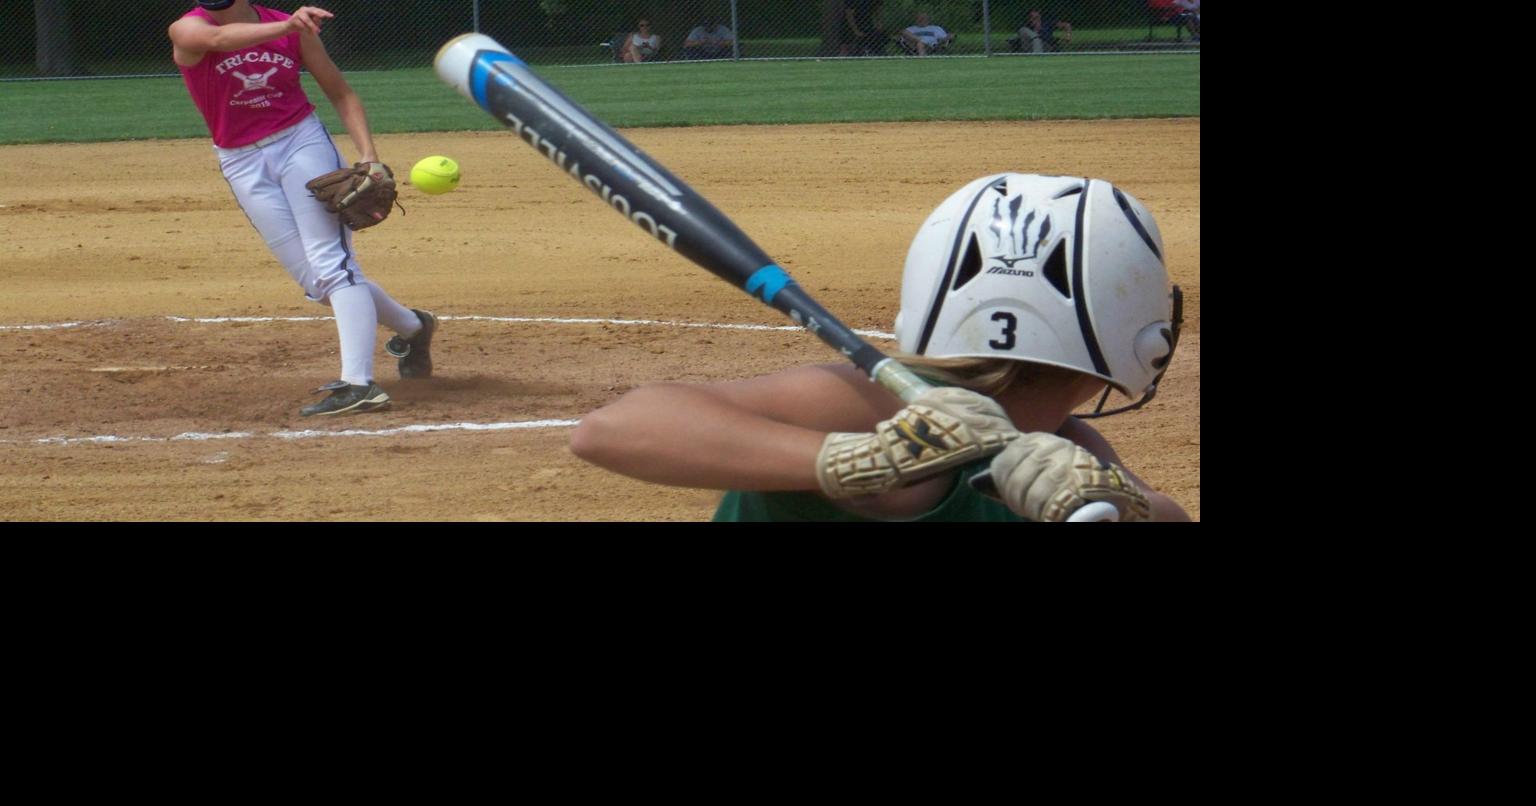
(962, 504)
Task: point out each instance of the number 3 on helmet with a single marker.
(1055, 270)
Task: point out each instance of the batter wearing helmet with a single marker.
(241, 64)
(1025, 298)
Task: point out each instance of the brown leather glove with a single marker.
(363, 195)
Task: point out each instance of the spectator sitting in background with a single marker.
(1190, 18)
(711, 40)
(925, 37)
(642, 45)
(862, 34)
(1040, 34)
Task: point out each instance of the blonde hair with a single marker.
(988, 376)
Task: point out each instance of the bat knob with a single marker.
(1096, 512)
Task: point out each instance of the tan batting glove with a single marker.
(1046, 478)
(941, 430)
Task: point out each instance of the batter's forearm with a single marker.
(686, 437)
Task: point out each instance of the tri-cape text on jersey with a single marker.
(254, 57)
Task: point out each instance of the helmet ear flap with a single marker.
(1154, 346)
(1169, 332)
(1156, 342)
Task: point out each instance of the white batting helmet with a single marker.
(1057, 270)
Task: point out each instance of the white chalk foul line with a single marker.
(109, 439)
(427, 429)
(516, 320)
(194, 436)
(223, 320)
(534, 320)
(54, 326)
(869, 334)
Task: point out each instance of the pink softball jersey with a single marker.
(248, 94)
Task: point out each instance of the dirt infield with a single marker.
(156, 355)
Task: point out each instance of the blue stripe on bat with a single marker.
(767, 282)
(480, 73)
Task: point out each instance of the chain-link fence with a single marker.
(108, 38)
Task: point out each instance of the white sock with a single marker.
(357, 323)
(392, 314)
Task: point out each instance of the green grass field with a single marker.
(673, 94)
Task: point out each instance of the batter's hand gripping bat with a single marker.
(647, 194)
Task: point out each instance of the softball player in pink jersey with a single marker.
(241, 63)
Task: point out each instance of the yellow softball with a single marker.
(435, 175)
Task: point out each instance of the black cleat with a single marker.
(347, 399)
(415, 353)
